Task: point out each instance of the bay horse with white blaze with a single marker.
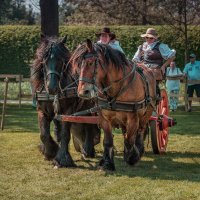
(56, 92)
(126, 95)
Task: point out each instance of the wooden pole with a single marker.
(20, 90)
(186, 95)
(4, 103)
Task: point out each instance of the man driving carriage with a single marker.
(154, 54)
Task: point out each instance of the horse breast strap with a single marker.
(121, 105)
(111, 103)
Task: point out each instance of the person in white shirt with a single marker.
(173, 86)
(152, 53)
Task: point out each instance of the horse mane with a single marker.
(37, 76)
(108, 54)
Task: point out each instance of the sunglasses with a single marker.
(150, 38)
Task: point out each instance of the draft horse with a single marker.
(125, 94)
(56, 93)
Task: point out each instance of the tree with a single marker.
(49, 17)
(119, 12)
(179, 15)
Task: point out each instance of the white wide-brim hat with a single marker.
(151, 32)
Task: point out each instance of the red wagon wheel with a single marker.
(159, 134)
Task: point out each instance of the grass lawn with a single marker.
(24, 174)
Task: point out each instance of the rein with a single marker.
(110, 102)
(104, 91)
(42, 94)
(120, 80)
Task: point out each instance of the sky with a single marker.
(35, 4)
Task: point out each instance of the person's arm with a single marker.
(185, 71)
(166, 63)
(181, 74)
(167, 54)
(179, 71)
(137, 56)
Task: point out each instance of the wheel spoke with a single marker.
(163, 110)
(162, 135)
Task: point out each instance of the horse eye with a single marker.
(90, 64)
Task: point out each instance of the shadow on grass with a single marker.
(175, 166)
(171, 166)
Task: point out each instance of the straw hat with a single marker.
(151, 32)
(104, 30)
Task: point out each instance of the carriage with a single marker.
(126, 97)
(159, 123)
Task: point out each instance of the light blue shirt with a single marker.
(165, 51)
(173, 84)
(114, 45)
(192, 71)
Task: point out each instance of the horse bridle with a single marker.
(93, 80)
(50, 71)
(60, 75)
(95, 64)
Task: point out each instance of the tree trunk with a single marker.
(49, 17)
(144, 16)
(185, 31)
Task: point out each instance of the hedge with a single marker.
(18, 43)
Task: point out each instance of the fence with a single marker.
(10, 78)
(20, 79)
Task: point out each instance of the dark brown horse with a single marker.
(126, 95)
(56, 91)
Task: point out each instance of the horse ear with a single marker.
(89, 45)
(64, 39)
(42, 37)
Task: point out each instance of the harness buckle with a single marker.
(112, 105)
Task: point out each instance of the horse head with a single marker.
(54, 60)
(97, 65)
(85, 62)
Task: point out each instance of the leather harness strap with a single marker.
(122, 106)
(146, 84)
(113, 104)
(45, 96)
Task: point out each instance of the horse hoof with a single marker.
(106, 166)
(85, 155)
(88, 153)
(133, 160)
(131, 154)
(64, 160)
(62, 164)
(101, 162)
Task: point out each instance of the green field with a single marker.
(24, 174)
